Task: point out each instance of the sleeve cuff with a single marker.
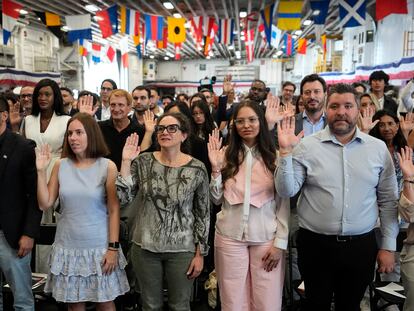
(280, 243)
(388, 244)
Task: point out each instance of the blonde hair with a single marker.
(121, 93)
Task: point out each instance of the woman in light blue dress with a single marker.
(86, 263)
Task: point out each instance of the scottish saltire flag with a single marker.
(267, 17)
(79, 27)
(154, 25)
(289, 44)
(226, 27)
(130, 21)
(352, 13)
(96, 52)
(11, 12)
(289, 15)
(108, 21)
(322, 6)
(276, 36)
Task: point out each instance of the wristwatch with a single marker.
(113, 244)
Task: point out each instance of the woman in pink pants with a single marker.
(252, 227)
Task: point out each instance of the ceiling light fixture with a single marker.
(23, 12)
(91, 8)
(278, 53)
(316, 12)
(242, 14)
(166, 58)
(230, 47)
(152, 56)
(307, 22)
(168, 5)
(177, 15)
(298, 32)
(65, 28)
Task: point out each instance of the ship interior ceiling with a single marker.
(188, 8)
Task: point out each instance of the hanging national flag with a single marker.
(51, 21)
(96, 52)
(387, 7)
(322, 6)
(123, 46)
(11, 12)
(108, 21)
(352, 13)
(197, 29)
(137, 44)
(210, 39)
(163, 44)
(267, 17)
(208, 23)
(262, 32)
(249, 45)
(289, 44)
(85, 47)
(289, 15)
(323, 42)
(130, 21)
(302, 42)
(177, 47)
(154, 27)
(226, 27)
(176, 30)
(79, 27)
(276, 36)
(110, 52)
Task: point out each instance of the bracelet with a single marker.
(216, 171)
(409, 181)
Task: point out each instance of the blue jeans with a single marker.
(18, 275)
(150, 268)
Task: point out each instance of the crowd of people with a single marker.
(208, 182)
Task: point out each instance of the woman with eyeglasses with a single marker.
(169, 193)
(47, 125)
(252, 227)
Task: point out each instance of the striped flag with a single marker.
(210, 38)
(267, 17)
(177, 47)
(208, 23)
(154, 27)
(130, 21)
(197, 29)
(11, 12)
(163, 44)
(79, 27)
(226, 27)
(289, 44)
(302, 42)
(96, 52)
(289, 15)
(108, 21)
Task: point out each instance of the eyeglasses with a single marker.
(107, 89)
(256, 89)
(140, 97)
(26, 95)
(250, 121)
(172, 128)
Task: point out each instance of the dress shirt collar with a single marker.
(327, 135)
(305, 116)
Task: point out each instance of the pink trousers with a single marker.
(243, 282)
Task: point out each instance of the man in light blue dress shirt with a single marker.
(348, 181)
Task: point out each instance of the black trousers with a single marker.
(338, 268)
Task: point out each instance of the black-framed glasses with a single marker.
(172, 128)
(108, 89)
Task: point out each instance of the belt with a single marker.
(339, 238)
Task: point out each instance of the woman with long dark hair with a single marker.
(204, 123)
(252, 227)
(47, 124)
(169, 192)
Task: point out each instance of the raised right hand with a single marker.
(85, 104)
(131, 149)
(15, 117)
(43, 157)
(286, 134)
(216, 153)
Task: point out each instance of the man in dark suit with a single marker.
(377, 81)
(19, 212)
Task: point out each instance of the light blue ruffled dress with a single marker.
(81, 240)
